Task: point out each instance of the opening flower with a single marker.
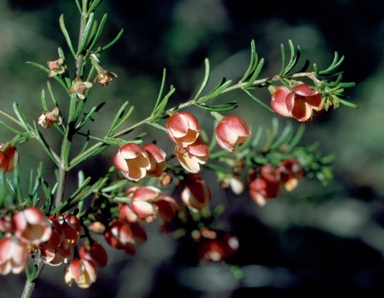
(31, 226)
(143, 202)
(94, 252)
(13, 256)
(81, 271)
(132, 161)
(147, 203)
(230, 131)
(300, 103)
(196, 193)
(183, 128)
(156, 158)
(192, 156)
(121, 234)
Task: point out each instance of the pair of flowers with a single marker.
(135, 161)
(183, 129)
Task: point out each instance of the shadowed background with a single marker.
(313, 239)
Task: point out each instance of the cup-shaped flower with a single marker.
(94, 252)
(132, 161)
(167, 207)
(192, 156)
(7, 158)
(47, 118)
(81, 271)
(148, 202)
(56, 67)
(300, 103)
(183, 128)
(262, 189)
(31, 226)
(13, 256)
(79, 87)
(121, 234)
(156, 158)
(71, 227)
(196, 193)
(57, 249)
(143, 199)
(230, 131)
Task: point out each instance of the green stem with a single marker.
(72, 116)
(30, 283)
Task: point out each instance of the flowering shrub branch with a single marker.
(152, 183)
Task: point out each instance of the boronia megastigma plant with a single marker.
(49, 226)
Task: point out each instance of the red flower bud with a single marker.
(230, 131)
(183, 128)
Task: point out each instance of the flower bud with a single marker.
(183, 128)
(230, 131)
(196, 193)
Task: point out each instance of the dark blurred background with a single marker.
(314, 240)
